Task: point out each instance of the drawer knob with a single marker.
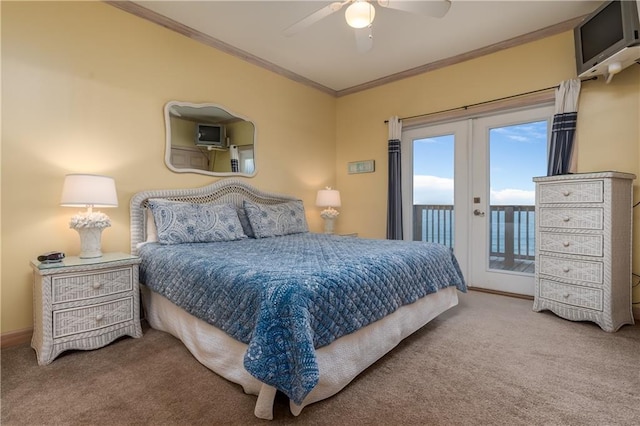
(566, 193)
(99, 317)
(566, 269)
(566, 218)
(96, 285)
(566, 243)
(565, 295)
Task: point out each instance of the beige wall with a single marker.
(83, 90)
(84, 84)
(609, 137)
(608, 131)
(362, 132)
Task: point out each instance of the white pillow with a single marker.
(152, 231)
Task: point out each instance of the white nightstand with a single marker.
(84, 303)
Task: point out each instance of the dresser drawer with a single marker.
(67, 288)
(578, 270)
(571, 192)
(581, 244)
(91, 317)
(587, 218)
(583, 297)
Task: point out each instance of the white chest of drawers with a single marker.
(583, 247)
(84, 303)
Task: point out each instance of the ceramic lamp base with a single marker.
(328, 225)
(90, 242)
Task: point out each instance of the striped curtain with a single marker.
(394, 199)
(562, 149)
(235, 158)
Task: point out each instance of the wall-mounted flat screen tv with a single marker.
(606, 35)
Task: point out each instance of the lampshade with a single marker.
(360, 14)
(88, 191)
(328, 198)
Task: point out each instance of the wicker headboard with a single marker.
(231, 191)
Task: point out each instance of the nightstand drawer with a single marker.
(583, 271)
(67, 288)
(92, 317)
(583, 297)
(572, 218)
(582, 244)
(571, 192)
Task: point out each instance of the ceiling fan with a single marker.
(360, 14)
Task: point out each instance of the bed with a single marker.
(233, 272)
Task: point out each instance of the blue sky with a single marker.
(517, 154)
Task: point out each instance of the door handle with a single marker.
(477, 212)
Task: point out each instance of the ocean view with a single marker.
(436, 224)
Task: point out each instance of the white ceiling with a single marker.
(326, 53)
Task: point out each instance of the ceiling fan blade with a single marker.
(364, 39)
(314, 17)
(433, 8)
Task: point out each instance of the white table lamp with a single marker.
(328, 198)
(89, 191)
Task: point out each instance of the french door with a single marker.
(467, 184)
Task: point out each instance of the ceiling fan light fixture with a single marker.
(360, 14)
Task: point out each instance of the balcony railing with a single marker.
(511, 229)
(433, 223)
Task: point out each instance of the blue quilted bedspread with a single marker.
(285, 296)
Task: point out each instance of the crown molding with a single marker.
(170, 24)
(156, 18)
(512, 42)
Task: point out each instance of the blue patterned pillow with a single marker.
(179, 222)
(277, 219)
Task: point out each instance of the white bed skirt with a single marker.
(338, 363)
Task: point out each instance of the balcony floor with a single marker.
(523, 266)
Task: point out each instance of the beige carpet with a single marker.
(490, 360)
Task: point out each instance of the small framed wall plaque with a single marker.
(368, 166)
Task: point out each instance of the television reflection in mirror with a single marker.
(211, 135)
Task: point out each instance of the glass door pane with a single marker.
(509, 149)
(435, 176)
(433, 189)
(516, 154)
